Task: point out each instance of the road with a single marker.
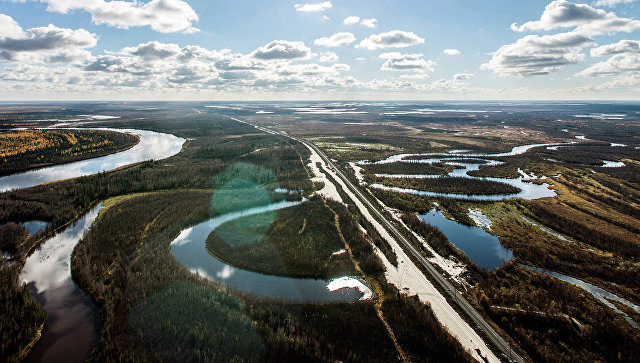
(455, 295)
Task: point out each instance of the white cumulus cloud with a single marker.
(335, 40)
(619, 64)
(328, 57)
(396, 61)
(370, 23)
(450, 51)
(585, 19)
(623, 46)
(165, 16)
(536, 55)
(391, 39)
(350, 20)
(282, 50)
(42, 44)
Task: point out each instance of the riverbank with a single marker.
(25, 150)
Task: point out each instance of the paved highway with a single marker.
(456, 296)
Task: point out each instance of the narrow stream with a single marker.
(73, 323)
(467, 163)
(152, 145)
(602, 295)
(190, 251)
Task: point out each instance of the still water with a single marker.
(152, 145)
(483, 248)
(466, 163)
(73, 324)
(189, 250)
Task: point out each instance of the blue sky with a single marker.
(340, 49)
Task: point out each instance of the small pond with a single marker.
(483, 248)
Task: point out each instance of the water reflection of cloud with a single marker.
(49, 266)
(183, 237)
(226, 272)
(152, 145)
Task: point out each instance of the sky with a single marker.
(319, 50)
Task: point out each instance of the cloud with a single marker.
(463, 77)
(451, 51)
(328, 57)
(153, 50)
(351, 20)
(314, 7)
(282, 50)
(392, 39)
(164, 16)
(370, 23)
(619, 64)
(9, 28)
(623, 46)
(536, 55)
(48, 44)
(586, 20)
(405, 62)
(336, 40)
(539, 55)
(611, 3)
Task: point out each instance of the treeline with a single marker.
(408, 168)
(454, 185)
(27, 149)
(142, 300)
(538, 302)
(296, 241)
(567, 225)
(21, 315)
(11, 235)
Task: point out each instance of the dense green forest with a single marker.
(454, 185)
(296, 241)
(125, 264)
(408, 168)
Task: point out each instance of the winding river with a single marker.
(466, 163)
(73, 323)
(152, 145)
(190, 251)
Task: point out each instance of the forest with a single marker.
(125, 265)
(454, 185)
(28, 149)
(296, 241)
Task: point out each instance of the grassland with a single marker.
(28, 149)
